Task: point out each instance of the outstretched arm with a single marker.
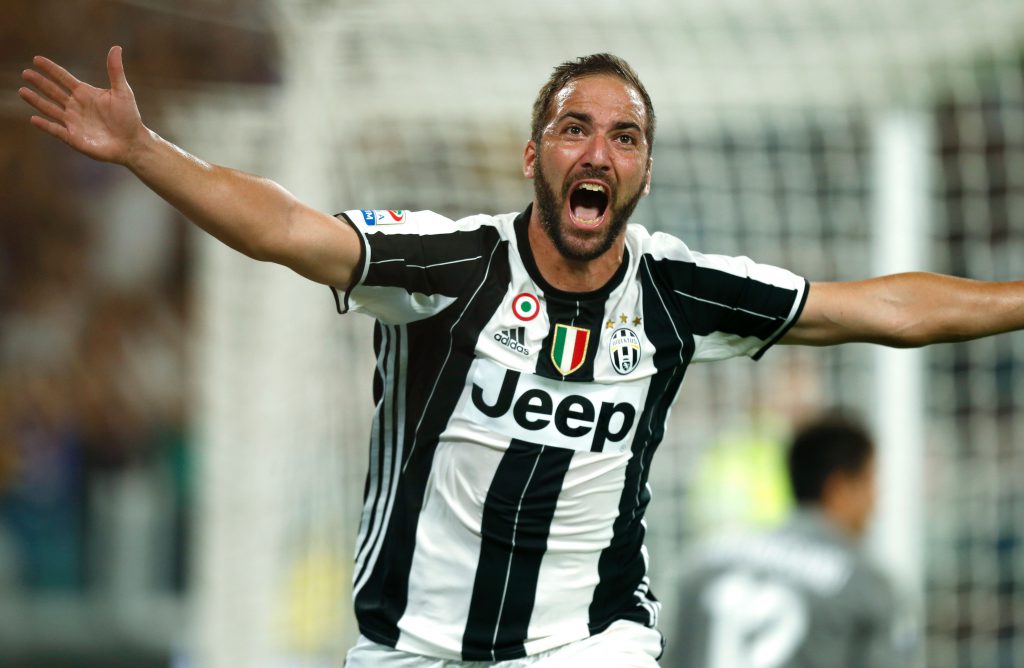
(251, 214)
(908, 310)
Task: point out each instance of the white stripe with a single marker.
(448, 355)
(565, 359)
(441, 264)
(508, 567)
(374, 475)
(394, 259)
(726, 306)
(392, 459)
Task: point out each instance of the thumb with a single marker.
(115, 70)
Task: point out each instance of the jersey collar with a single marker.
(526, 253)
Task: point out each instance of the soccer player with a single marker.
(526, 363)
(805, 595)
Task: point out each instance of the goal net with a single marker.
(837, 139)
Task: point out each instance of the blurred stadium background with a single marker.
(182, 430)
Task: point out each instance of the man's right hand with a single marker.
(101, 123)
(253, 215)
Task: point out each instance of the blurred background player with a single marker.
(804, 595)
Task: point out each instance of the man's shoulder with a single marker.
(503, 221)
(656, 245)
(671, 251)
(426, 222)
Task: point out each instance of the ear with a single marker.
(647, 179)
(529, 158)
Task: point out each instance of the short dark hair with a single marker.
(598, 63)
(831, 443)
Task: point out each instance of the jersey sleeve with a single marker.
(738, 307)
(413, 264)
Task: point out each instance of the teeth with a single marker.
(591, 186)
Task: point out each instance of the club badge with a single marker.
(624, 350)
(569, 348)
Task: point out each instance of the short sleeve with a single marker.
(413, 263)
(739, 307)
(728, 306)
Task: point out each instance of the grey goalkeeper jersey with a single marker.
(804, 596)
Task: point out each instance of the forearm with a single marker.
(908, 310)
(244, 211)
(252, 215)
(934, 308)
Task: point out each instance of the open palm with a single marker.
(102, 123)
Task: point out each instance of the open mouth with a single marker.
(588, 203)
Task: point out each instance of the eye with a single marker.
(574, 130)
(629, 140)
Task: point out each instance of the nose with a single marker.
(598, 154)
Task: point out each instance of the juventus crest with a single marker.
(624, 350)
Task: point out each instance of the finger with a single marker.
(50, 127)
(47, 86)
(41, 103)
(115, 70)
(56, 72)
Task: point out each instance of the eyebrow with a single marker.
(587, 118)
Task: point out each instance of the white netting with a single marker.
(768, 145)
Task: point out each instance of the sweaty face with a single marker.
(591, 166)
(588, 203)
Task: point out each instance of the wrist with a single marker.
(140, 149)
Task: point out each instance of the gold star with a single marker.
(623, 318)
(609, 324)
(636, 321)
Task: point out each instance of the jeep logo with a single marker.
(525, 407)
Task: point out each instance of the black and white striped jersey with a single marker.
(515, 425)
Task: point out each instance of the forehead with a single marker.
(603, 96)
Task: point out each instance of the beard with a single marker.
(550, 206)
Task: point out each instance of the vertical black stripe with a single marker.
(588, 314)
(435, 378)
(516, 522)
(621, 567)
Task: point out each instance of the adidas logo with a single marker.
(513, 338)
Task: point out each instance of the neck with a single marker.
(844, 519)
(572, 275)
